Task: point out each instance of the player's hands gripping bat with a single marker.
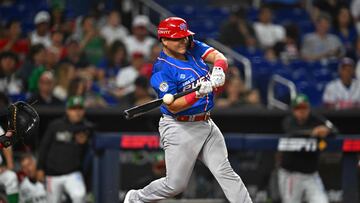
(144, 108)
(23, 120)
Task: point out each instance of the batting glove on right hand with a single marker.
(205, 88)
(217, 77)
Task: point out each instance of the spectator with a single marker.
(13, 40)
(139, 41)
(343, 93)
(146, 70)
(298, 175)
(289, 50)
(76, 87)
(126, 77)
(92, 94)
(267, 33)
(9, 179)
(30, 190)
(91, 42)
(114, 30)
(65, 73)
(345, 29)
(321, 45)
(62, 153)
(57, 15)
(45, 96)
(9, 83)
(74, 55)
(356, 56)
(57, 41)
(52, 58)
(328, 6)
(83, 86)
(236, 94)
(235, 30)
(251, 49)
(355, 11)
(35, 60)
(141, 93)
(41, 35)
(114, 61)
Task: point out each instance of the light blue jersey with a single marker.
(171, 75)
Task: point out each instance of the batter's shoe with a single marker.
(128, 195)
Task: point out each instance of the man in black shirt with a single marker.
(62, 152)
(298, 176)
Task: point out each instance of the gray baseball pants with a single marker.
(184, 143)
(295, 187)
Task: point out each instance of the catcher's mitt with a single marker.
(23, 120)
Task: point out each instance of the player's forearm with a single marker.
(182, 103)
(8, 154)
(216, 57)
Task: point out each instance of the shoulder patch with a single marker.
(164, 87)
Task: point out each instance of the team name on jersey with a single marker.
(191, 84)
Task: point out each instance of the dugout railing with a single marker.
(106, 167)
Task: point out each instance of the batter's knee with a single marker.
(78, 198)
(177, 188)
(225, 171)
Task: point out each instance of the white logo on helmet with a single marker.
(183, 26)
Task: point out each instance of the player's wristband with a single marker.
(222, 64)
(190, 98)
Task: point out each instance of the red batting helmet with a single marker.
(173, 27)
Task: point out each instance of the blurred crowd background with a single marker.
(52, 49)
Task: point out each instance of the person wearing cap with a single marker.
(41, 34)
(9, 82)
(139, 41)
(344, 92)
(126, 77)
(141, 94)
(44, 95)
(62, 152)
(114, 30)
(298, 175)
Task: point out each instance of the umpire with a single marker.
(62, 153)
(298, 176)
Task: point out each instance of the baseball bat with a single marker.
(137, 111)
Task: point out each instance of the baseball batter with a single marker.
(187, 133)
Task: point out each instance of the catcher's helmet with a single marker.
(173, 27)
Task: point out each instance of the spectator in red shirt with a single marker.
(57, 38)
(13, 40)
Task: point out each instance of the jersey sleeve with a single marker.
(329, 94)
(201, 50)
(163, 82)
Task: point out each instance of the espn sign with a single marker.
(140, 142)
(351, 145)
(297, 144)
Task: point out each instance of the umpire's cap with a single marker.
(173, 27)
(300, 101)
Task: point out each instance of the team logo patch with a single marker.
(182, 26)
(164, 87)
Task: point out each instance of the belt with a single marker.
(192, 118)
